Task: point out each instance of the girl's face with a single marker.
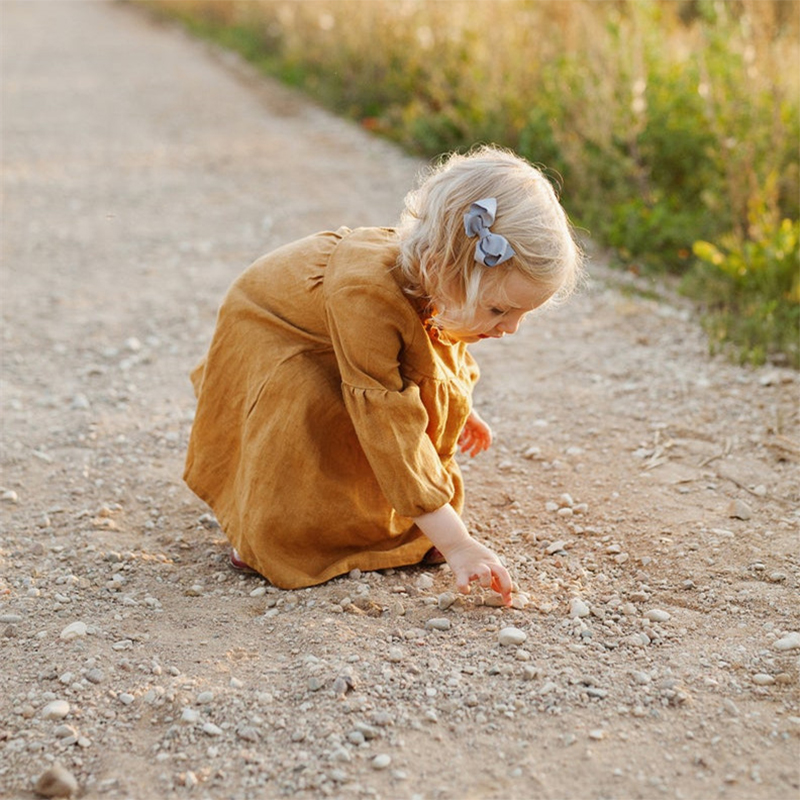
(502, 308)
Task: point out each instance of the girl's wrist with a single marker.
(445, 529)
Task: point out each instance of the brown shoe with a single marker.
(433, 556)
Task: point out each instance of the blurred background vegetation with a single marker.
(673, 125)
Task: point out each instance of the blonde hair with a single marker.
(437, 258)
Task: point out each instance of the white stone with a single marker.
(56, 709)
(520, 600)
(381, 761)
(211, 729)
(395, 655)
(511, 636)
(424, 582)
(789, 642)
(577, 608)
(739, 510)
(73, 631)
(657, 615)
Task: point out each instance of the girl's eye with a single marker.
(497, 311)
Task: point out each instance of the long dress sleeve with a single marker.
(370, 332)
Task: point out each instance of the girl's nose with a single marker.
(509, 325)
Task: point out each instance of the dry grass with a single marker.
(668, 121)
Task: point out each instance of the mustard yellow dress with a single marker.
(327, 415)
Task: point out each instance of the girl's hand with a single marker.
(471, 561)
(476, 436)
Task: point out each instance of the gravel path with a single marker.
(644, 495)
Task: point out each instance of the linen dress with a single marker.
(327, 415)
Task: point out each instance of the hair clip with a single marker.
(492, 248)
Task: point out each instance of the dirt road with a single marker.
(644, 495)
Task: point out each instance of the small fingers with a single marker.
(485, 577)
(501, 583)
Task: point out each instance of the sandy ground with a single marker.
(644, 495)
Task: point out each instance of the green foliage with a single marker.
(668, 121)
(752, 291)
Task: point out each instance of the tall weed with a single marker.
(669, 121)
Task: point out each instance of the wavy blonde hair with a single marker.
(437, 258)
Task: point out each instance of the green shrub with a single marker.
(668, 121)
(752, 291)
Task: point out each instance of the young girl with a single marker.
(337, 387)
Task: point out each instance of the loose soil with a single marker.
(644, 494)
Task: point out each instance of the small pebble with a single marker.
(424, 582)
(381, 761)
(446, 599)
(738, 509)
(762, 679)
(248, 733)
(494, 600)
(80, 401)
(520, 601)
(125, 698)
(511, 636)
(211, 729)
(205, 697)
(395, 655)
(57, 709)
(95, 675)
(577, 608)
(657, 615)
(789, 642)
(190, 716)
(438, 624)
(555, 547)
(56, 781)
(73, 631)
(356, 737)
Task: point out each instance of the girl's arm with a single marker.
(469, 560)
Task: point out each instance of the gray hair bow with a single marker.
(492, 248)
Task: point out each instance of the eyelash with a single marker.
(497, 311)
